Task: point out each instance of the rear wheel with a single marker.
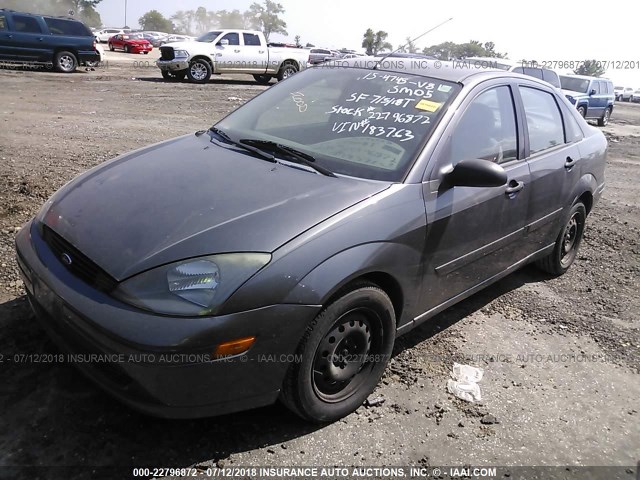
(567, 243)
(286, 71)
(199, 71)
(604, 120)
(65, 62)
(263, 79)
(342, 355)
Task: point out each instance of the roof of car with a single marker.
(450, 71)
(584, 77)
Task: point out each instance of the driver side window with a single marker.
(233, 37)
(487, 129)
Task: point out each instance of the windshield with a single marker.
(362, 123)
(574, 84)
(208, 37)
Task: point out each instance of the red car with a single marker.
(130, 43)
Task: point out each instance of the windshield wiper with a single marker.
(298, 156)
(265, 155)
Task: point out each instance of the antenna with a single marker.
(410, 41)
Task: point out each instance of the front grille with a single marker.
(80, 266)
(167, 53)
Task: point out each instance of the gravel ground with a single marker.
(543, 402)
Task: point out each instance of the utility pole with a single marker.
(125, 13)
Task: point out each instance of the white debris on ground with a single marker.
(464, 382)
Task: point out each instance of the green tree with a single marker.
(592, 68)
(54, 7)
(473, 48)
(154, 20)
(90, 16)
(234, 19)
(375, 42)
(183, 21)
(266, 18)
(297, 39)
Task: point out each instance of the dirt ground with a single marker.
(561, 355)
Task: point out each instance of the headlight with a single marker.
(181, 54)
(198, 286)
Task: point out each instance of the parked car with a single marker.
(623, 94)
(233, 51)
(320, 55)
(105, 34)
(384, 206)
(41, 40)
(130, 43)
(156, 39)
(176, 38)
(635, 96)
(593, 97)
(527, 68)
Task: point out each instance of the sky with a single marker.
(543, 30)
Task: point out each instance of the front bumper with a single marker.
(173, 65)
(158, 364)
(140, 49)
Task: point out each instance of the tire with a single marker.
(604, 120)
(263, 79)
(286, 70)
(199, 71)
(342, 355)
(65, 62)
(567, 243)
(582, 111)
(127, 49)
(111, 48)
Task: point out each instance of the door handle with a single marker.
(41, 39)
(260, 51)
(237, 51)
(514, 187)
(570, 162)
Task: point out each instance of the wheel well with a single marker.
(205, 58)
(290, 62)
(587, 199)
(65, 49)
(383, 280)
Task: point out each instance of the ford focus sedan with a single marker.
(278, 254)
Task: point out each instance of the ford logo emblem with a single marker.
(66, 259)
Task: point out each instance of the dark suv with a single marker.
(63, 43)
(593, 97)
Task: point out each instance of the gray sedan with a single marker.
(278, 254)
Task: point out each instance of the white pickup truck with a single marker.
(230, 51)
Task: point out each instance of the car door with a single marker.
(28, 38)
(253, 55)
(117, 42)
(551, 150)
(228, 53)
(473, 233)
(6, 39)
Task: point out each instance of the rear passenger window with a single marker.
(58, 26)
(544, 121)
(251, 39)
(487, 129)
(3, 22)
(551, 77)
(26, 24)
(533, 72)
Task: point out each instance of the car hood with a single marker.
(190, 197)
(574, 93)
(180, 45)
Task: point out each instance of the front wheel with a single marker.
(567, 243)
(127, 49)
(582, 110)
(604, 120)
(342, 355)
(111, 47)
(286, 71)
(65, 62)
(199, 71)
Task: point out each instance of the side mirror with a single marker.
(592, 92)
(224, 42)
(476, 173)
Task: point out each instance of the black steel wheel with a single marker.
(342, 356)
(567, 243)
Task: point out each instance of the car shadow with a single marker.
(52, 415)
(213, 81)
